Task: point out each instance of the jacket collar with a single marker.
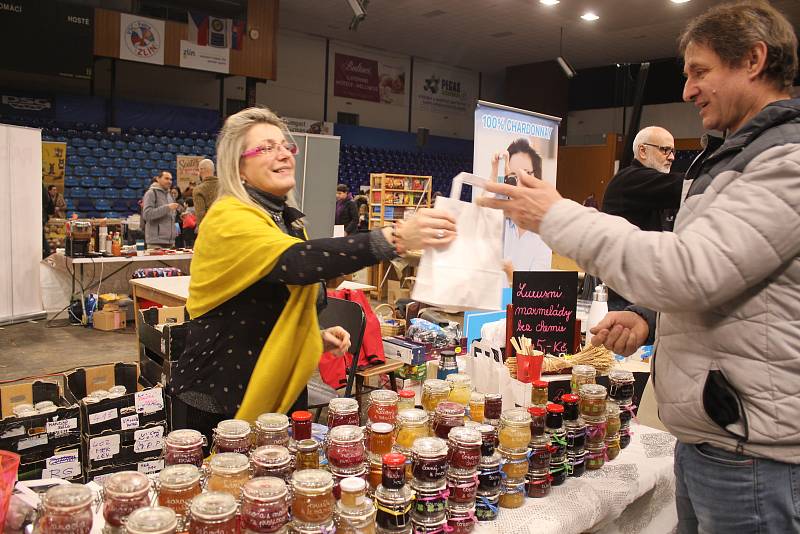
(275, 205)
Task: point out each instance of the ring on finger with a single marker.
(440, 234)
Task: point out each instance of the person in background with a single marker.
(362, 203)
(189, 191)
(254, 341)
(725, 365)
(205, 193)
(47, 210)
(59, 204)
(188, 224)
(158, 212)
(346, 210)
(175, 192)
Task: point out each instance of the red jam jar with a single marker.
(301, 425)
(429, 461)
(538, 485)
(272, 429)
(493, 406)
(272, 461)
(571, 407)
(393, 475)
(265, 505)
(177, 486)
(67, 509)
(213, 513)
(152, 520)
(345, 449)
(464, 445)
(343, 411)
(123, 493)
(184, 447)
(448, 415)
(539, 456)
(380, 438)
(538, 416)
(232, 435)
(382, 406)
(461, 520)
(463, 486)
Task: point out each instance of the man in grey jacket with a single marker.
(726, 283)
(158, 213)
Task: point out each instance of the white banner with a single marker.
(141, 39)
(195, 56)
(443, 89)
(308, 126)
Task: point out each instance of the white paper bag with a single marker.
(468, 274)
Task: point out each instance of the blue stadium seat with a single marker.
(105, 162)
(143, 173)
(134, 145)
(83, 151)
(73, 160)
(105, 143)
(149, 164)
(128, 193)
(140, 154)
(172, 149)
(76, 192)
(120, 162)
(119, 144)
(61, 138)
(95, 171)
(136, 183)
(112, 215)
(110, 192)
(112, 172)
(205, 135)
(98, 152)
(77, 142)
(80, 170)
(122, 204)
(166, 164)
(160, 147)
(92, 143)
(85, 205)
(70, 203)
(152, 139)
(88, 181)
(95, 192)
(154, 155)
(90, 161)
(176, 141)
(71, 181)
(134, 163)
(194, 135)
(112, 153)
(147, 146)
(104, 182)
(127, 172)
(185, 149)
(138, 138)
(182, 133)
(127, 153)
(102, 204)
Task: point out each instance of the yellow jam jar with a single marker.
(412, 424)
(477, 401)
(460, 388)
(434, 391)
(515, 430)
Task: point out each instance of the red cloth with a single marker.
(333, 369)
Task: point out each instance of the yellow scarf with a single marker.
(239, 245)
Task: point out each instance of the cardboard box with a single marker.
(413, 372)
(408, 352)
(160, 345)
(172, 315)
(117, 447)
(109, 320)
(148, 466)
(396, 291)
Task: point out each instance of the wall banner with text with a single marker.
(369, 79)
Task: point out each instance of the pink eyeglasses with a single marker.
(271, 149)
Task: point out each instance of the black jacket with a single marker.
(348, 216)
(645, 197)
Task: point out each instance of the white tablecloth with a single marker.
(635, 493)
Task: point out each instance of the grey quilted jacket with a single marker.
(726, 283)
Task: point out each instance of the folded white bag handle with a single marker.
(466, 178)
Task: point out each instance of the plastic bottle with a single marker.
(597, 310)
(116, 245)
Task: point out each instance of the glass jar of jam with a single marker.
(232, 435)
(355, 513)
(448, 364)
(489, 437)
(228, 473)
(493, 406)
(312, 500)
(343, 411)
(464, 445)
(407, 400)
(489, 474)
(625, 413)
(272, 461)
(462, 485)
(539, 393)
(624, 437)
(307, 455)
(434, 391)
(460, 388)
(429, 461)
(612, 418)
(538, 416)
(460, 519)
(374, 473)
(515, 430)
(582, 374)
(514, 464)
(430, 503)
(593, 400)
(123, 493)
(272, 429)
(345, 449)
(393, 475)
(595, 457)
(301, 425)
(487, 506)
(577, 463)
(477, 401)
(213, 512)
(576, 435)
(177, 486)
(538, 485)
(265, 505)
(621, 385)
(411, 425)
(184, 447)
(67, 509)
(431, 528)
(539, 457)
(555, 417)
(571, 403)
(448, 415)
(558, 472)
(512, 495)
(152, 520)
(382, 406)
(595, 430)
(393, 509)
(558, 444)
(612, 446)
(380, 438)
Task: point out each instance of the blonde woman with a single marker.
(254, 340)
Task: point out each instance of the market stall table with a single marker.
(167, 291)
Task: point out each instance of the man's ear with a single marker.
(756, 60)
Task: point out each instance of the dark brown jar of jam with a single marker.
(233, 435)
(184, 447)
(464, 445)
(493, 406)
(463, 486)
(272, 461)
(429, 461)
(448, 415)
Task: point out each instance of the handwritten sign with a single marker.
(149, 401)
(148, 439)
(104, 447)
(544, 309)
(62, 426)
(63, 465)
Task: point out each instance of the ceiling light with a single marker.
(549, 2)
(679, 1)
(589, 16)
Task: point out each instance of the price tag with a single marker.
(104, 447)
(62, 427)
(149, 401)
(29, 443)
(63, 465)
(13, 432)
(101, 417)
(150, 467)
(130, 421)
(148, 439)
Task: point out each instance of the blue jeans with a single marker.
(724, 492)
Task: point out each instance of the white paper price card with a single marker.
(63, 465)
(150, 467)
(130, 421)
(148, 439)
(63, 426)
(101, 417)
(104, 447)
(149, 401)
(30, 443)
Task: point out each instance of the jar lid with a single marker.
(494, 396)
(264, 488)
(477, 397)
(393, 497)
(68, 496)
(229, 462)
(448, 353)
(381, 428)
(465, 435)
(344, 404)
(595, 419)
(430, 446)
(213, 505)
(301, 416)
(154, 519)
(555, 408)
(312, 481)
(541, 384)
(596, 448)
(612, 408)
(586, 370)
(490, 462)
(459, 379)
(448, 408)
(569, 397)
(621, 375)
(406, 394)
(272, 421)
(412, 415)
(383, 395)
(346, 433)
(433, 489)
(537, 411)
(353, 485)
(516, 416)
(271, 455)
(593, 391)
(179, 475)
(309, 445)
(509, 455)
(185, 438)
(394, 459)
(233, 428)
(126, 482)
(436, 385)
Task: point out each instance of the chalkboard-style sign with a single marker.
(544, 308)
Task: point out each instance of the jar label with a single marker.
(346, 455)
(430, 470)
(466, 458)
(263, 517)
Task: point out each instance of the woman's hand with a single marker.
(335, 340)
(427, 228)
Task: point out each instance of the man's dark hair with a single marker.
(522, 145)
(342, 188)
(50, 187)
